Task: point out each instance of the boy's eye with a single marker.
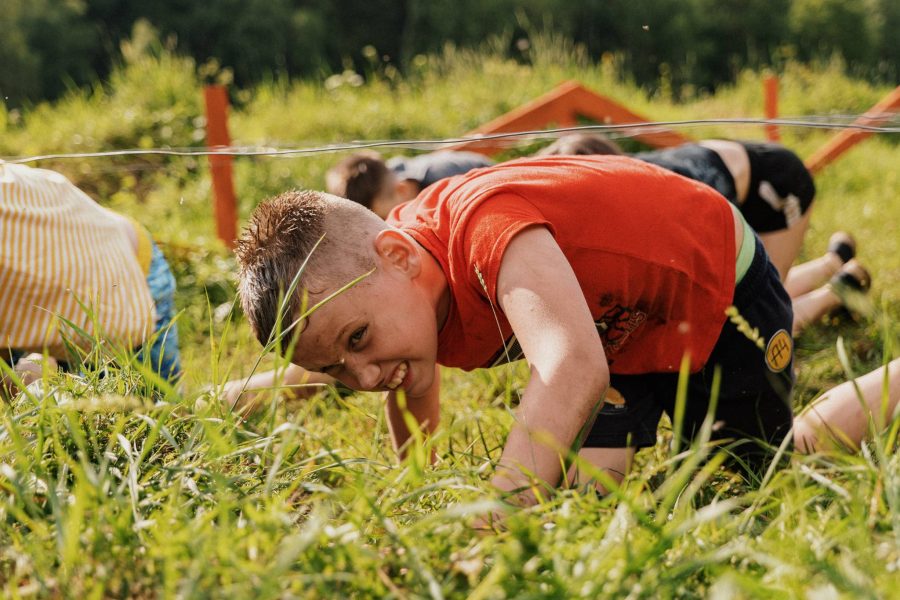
(357, 336)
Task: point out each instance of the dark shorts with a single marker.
(698, 163)
(781, 189)
(161, 351)
(754, 397)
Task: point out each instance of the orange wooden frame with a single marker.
(562, 106)
(848, 138)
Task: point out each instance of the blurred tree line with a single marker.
(48, 46)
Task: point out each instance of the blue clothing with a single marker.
(429, 168)
(164, 356)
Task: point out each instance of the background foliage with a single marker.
(52, 45)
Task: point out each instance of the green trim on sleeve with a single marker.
(748, 248)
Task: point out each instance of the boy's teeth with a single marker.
(399, 376)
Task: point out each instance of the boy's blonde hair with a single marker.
(283, 232)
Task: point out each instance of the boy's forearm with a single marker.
(545, 430)
(396, 423)
(427, 419)
(296, 381)
(545, 305)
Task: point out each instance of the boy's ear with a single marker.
(398, 251)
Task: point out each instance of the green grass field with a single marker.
(108, 491)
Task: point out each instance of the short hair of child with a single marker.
(359, 177)
(285, 231)
(581, 143)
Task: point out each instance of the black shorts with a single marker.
(781, 189)
(698, 163)
(754, 401)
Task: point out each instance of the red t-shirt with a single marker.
(653, 252)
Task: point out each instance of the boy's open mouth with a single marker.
(398, 376)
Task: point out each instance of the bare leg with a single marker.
(810, 275)
(614, 461)
(783, 246)
(813, 306)
(846, 289)
(29, 369)
(837, 417)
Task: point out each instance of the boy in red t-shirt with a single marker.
(569, 262)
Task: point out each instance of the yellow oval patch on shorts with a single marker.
(779, 351)
(614, 397)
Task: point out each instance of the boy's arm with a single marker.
(545, 306)
(425, 409)
(241, 393)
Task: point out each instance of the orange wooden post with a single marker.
(848, 138)
(225, 207)
(561, 106)
(771, 87)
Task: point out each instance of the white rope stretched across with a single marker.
(618, 131)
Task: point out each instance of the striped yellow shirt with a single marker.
(60, 250)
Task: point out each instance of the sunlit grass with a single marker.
(136, 497)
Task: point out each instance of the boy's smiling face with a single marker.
(380, 335)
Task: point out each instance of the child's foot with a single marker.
(843, 245)
(850, 285)
(854, 276)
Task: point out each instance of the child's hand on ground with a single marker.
(235, 393)
(29, 369)
(293, 382)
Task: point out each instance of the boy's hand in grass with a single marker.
(246, 395)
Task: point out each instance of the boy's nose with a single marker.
(367, 373)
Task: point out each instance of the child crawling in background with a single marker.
(366, 178)
(65, 257)
(572, 263)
